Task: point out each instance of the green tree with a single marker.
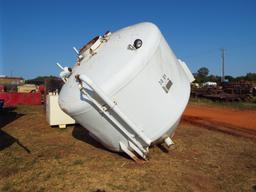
(201, 75)
(230, 78)
(40, 79)
(251, 77)
(203, 72)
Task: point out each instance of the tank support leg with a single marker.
(168, 141)
(128, 152)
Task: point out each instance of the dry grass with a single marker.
(233, 105)
(50, 159)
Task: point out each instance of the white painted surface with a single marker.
(137, 81)
(209, 83)
(54, 114)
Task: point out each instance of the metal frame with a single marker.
(134, 144)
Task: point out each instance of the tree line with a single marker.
(40, 79)
(202, 75)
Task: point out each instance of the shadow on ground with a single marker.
(6, 140)
(83, 134)
(7, 115)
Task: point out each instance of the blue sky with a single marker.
(35, 34)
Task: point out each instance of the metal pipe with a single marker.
(59, 65)
(77, 52)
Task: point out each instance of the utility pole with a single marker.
(222, 66)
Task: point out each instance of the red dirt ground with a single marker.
(233, 121)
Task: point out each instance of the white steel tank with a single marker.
(127, 89)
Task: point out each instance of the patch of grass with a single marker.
(7, 187)
(47, 176)
(29, 109)
(61, 162)
(11, 165)
(99, 190)
(117, 187)
(41, 189)
(78, 162)
(235, 105)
